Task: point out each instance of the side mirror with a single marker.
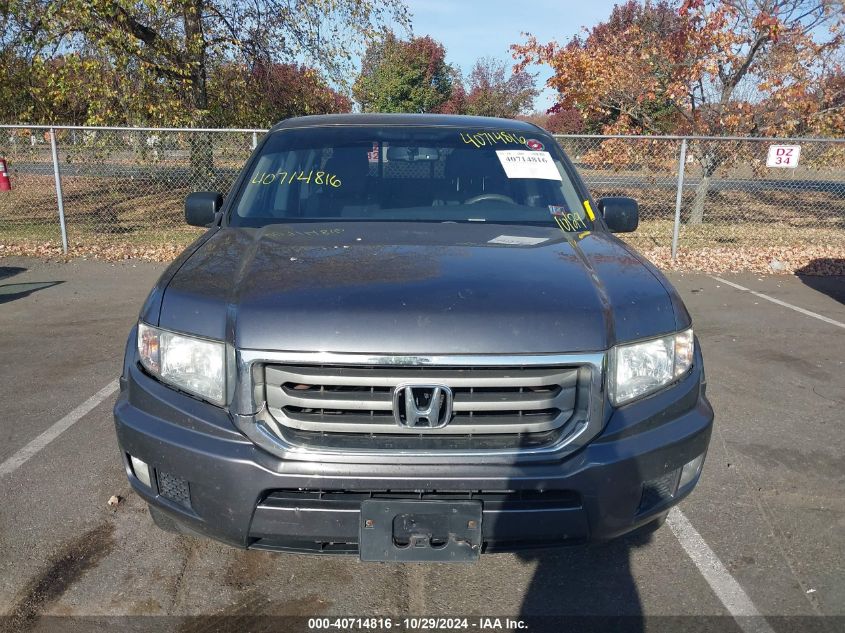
(622, 215)
(201, 207)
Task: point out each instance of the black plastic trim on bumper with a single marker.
(332, 519)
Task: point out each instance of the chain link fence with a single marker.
(126, 186)
(725, 194)
(113, 186)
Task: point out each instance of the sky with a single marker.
(470, 29)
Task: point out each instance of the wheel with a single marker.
(163, 521)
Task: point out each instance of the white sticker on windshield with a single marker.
(523, 163)
(517, 240)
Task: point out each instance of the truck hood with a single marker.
(417, 288)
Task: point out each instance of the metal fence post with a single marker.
(254, 140)
(59, 196)
(682, 162)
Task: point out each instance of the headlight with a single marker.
(195, 365)
(642, 368)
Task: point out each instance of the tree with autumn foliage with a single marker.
(557, 120)
(171, 48)
(404, 75)
(705, 67)
(268, 93)
(165, 53)
(494, 91)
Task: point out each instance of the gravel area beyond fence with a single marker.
(705, 203)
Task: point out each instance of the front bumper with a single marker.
(215, 482)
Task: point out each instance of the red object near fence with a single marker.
(5, 183)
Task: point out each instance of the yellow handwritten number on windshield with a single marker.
(480, 139)
(285, 178)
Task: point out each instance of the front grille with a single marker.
(488, 401)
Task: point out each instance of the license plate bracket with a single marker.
(420, 531)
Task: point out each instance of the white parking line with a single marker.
(31, 449)
(820, 317)
(724, 585)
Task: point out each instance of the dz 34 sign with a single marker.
(783, 156)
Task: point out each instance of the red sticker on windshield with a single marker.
(534, 144)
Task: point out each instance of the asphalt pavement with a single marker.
(768, 513)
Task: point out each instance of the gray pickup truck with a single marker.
(411, 338)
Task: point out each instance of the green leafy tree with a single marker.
(404, 76)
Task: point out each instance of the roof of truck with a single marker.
(441, 120)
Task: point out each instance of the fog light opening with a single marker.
(691, 470)
(141, 471)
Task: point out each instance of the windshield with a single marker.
(388, 173)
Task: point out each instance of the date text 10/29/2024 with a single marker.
(477, 623)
